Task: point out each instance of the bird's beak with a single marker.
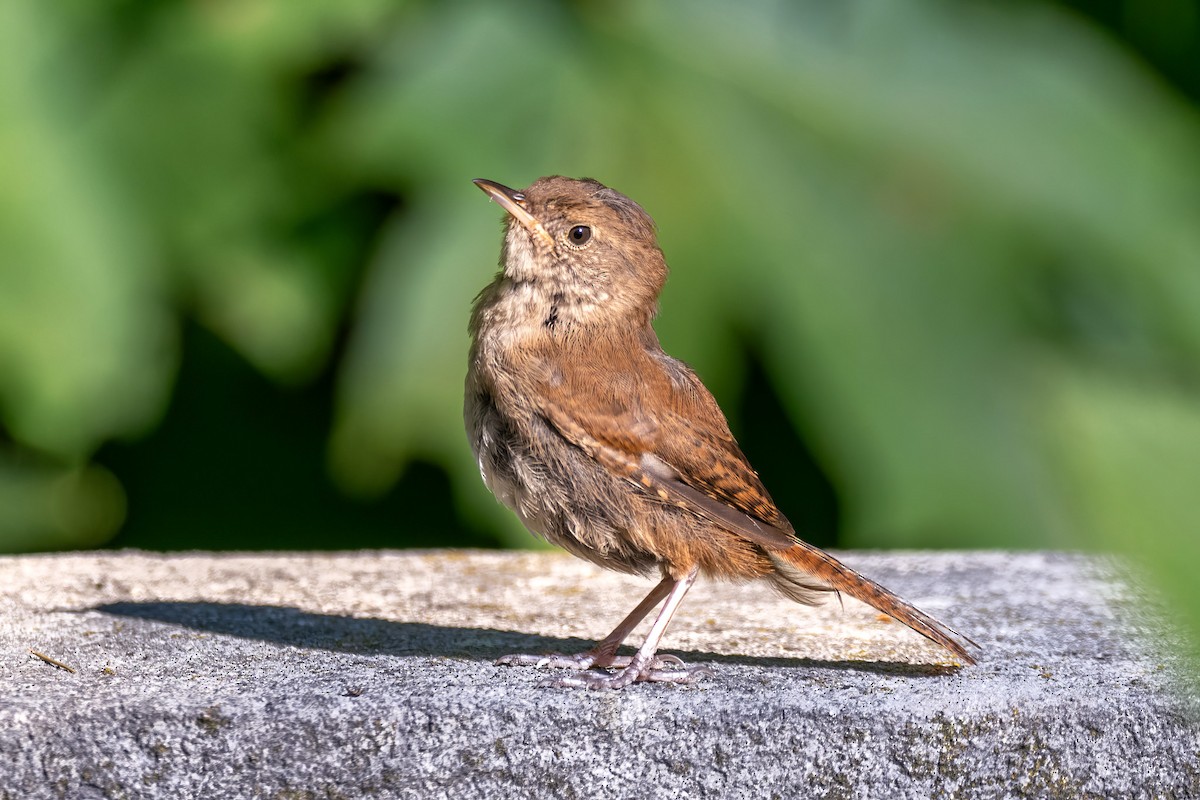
(513, 202)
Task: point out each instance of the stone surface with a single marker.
(370, 675)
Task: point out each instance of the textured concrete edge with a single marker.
(270, 710)
(473, 741)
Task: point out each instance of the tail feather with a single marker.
(802, 571)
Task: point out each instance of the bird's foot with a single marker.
(629, 669)
(552, 660)
(582, 661)
(630, 674)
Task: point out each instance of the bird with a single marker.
(605, 445)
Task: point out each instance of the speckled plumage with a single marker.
(604, 444)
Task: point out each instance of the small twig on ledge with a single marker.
(52, 661)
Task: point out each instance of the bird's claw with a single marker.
(582, 661)
(551, 660)
(619, 680)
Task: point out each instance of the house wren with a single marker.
(612, 449)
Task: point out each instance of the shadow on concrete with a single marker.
(296, 628)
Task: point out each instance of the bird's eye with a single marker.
(579, 235)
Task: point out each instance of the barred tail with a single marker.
(803, 570)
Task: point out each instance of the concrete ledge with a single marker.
(370, 675)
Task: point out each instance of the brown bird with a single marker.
(612, 449)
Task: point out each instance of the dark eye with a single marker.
(579, 235)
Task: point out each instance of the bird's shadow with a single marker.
(342, 634)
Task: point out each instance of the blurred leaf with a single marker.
(45, 507)
(1130, 448)
(79, 303)
(223, 170)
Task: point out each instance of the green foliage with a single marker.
(962, 238)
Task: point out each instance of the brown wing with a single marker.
(656, 425)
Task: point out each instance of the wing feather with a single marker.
(682, 454)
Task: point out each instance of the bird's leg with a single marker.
(642, 666)
(604, 654)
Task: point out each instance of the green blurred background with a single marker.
(939, 261)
